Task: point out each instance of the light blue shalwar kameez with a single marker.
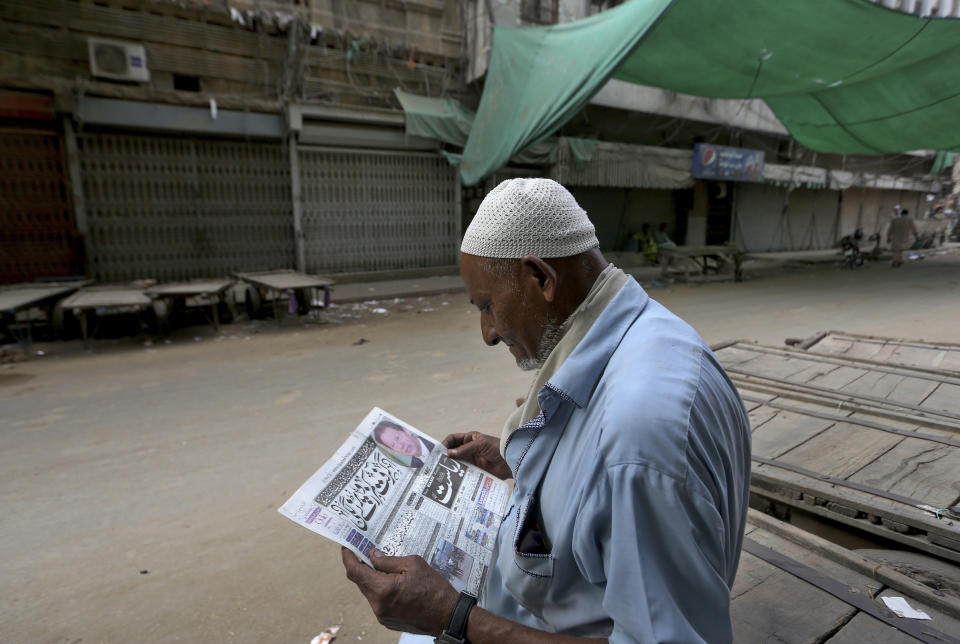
(636, 473)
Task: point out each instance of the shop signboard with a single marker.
(724, 163)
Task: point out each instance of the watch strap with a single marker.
(457, 630)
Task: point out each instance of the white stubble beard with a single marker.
(552, 333)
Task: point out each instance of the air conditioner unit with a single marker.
(118, 60)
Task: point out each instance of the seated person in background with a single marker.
(648, 245)
(662, 239)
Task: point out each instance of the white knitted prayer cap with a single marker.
(529, 216)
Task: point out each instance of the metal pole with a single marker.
(836, 219)
(296, 197)
(458, 211)
(783, 224)
(76, 184)
(76, 190)
(733, 215)
(860, 208)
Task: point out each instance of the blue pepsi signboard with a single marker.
(727, 164)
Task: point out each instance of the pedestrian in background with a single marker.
(898, 235)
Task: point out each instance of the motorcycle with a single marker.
(852, 257)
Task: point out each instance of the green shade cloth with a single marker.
(843, 76)
(448, 120)
(445, 119)
(942, 163)
(582, 151)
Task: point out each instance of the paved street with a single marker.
(140, 484)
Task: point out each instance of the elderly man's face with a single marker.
(401, 441)
(511, 312)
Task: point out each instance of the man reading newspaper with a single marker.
(630, 455)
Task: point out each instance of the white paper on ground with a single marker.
(327, 635)
(900, 606)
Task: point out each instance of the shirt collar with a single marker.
(578, 375)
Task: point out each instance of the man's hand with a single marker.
(405, 593)
(481, 450)
(408, 595)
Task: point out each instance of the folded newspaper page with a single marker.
(392, 487)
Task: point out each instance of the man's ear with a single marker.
(537, 270)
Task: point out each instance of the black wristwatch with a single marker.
(456, 632)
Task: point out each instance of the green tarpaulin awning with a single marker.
(942, 162)
(444, 119)
(843, 76)
(448, 120)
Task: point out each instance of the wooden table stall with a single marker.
(106, 300)
(275, 286)
(202, 294)
(702, 260)
(23, 297)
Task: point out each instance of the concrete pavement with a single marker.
(406, 287)
(140, 484)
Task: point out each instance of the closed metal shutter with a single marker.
(175, 208)
(374, 210)
(38, 234)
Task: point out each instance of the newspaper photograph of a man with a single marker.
(401, 445)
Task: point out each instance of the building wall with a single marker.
(349, 53)
(171, 202)
(758, 211)
(38, 234)
(175, 208)
(871, 209)
(506, 13)
(812, 221)
(369, 211)
(813, 218)
(809, 223)
(45, 46)
(431, 26)
(617, 213)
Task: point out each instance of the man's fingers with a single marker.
(453, 440)
(464, 452)
(357, 571)
(383, 563)
(455, 452)
(459, 444)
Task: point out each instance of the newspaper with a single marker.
(392, 487)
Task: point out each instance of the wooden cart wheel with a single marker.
(228, 307)
(58, 320)
(304, 300)
(254, 303)
(162, 313)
